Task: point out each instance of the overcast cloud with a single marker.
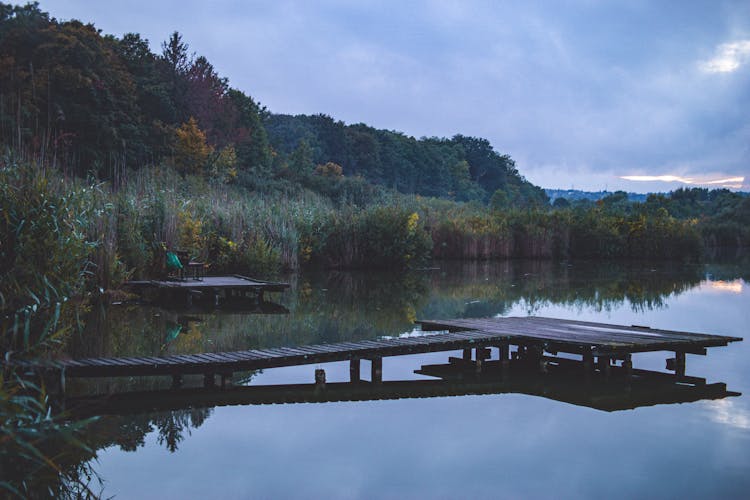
(579, 93)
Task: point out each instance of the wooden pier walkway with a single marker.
(601, 346)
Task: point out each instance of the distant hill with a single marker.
(460, 168)
(575, 195)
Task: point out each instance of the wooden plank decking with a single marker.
(211, 290)
(216, 282)
(597, 339)
(256, 359)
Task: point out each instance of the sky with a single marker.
(636, 95)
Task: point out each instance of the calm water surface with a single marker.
(487, 446)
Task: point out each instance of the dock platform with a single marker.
(531, 340)
(210, 289)
(600, 345)
(576, 337)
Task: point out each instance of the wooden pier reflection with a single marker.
(564, 381)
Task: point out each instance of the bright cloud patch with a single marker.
(727, 182)
(728, 58)
(729, 413)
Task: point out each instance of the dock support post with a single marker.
(588, 362)
(354, 371)
(504, 355)
(535, 355)
(521, 352)
(679, 363)
(320, 378)
(604, 363)
(481, 353)
(376, 370)
(467, 354)
(226, 379)
(627, 365)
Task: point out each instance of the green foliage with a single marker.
(330, 169)
(252, 256)
(249, 136)
(381, 237)
(561, 203)
(44, 270)
(461, 168)
(28, 432)
(594, 233)
(223, 166)
(301, 160)
(191, 152)
(499, 201)
(44, 252)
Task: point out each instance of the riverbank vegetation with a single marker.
(183, 160)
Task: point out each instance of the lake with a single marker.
(486, 446)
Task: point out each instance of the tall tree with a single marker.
(205, 99)
(191, 151)
(249, 135)
(177, 61)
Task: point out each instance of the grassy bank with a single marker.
(125, 232)
(262, 232)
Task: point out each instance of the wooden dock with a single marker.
(599, 344)
(601, 347)
(209, 289)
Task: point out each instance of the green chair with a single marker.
(174, 265)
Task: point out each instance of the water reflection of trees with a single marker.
(495, 288)
(730, 269)
(129, 432)
(77, 477)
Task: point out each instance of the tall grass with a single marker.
(242, 231)
(469, 232)
(45, 273)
